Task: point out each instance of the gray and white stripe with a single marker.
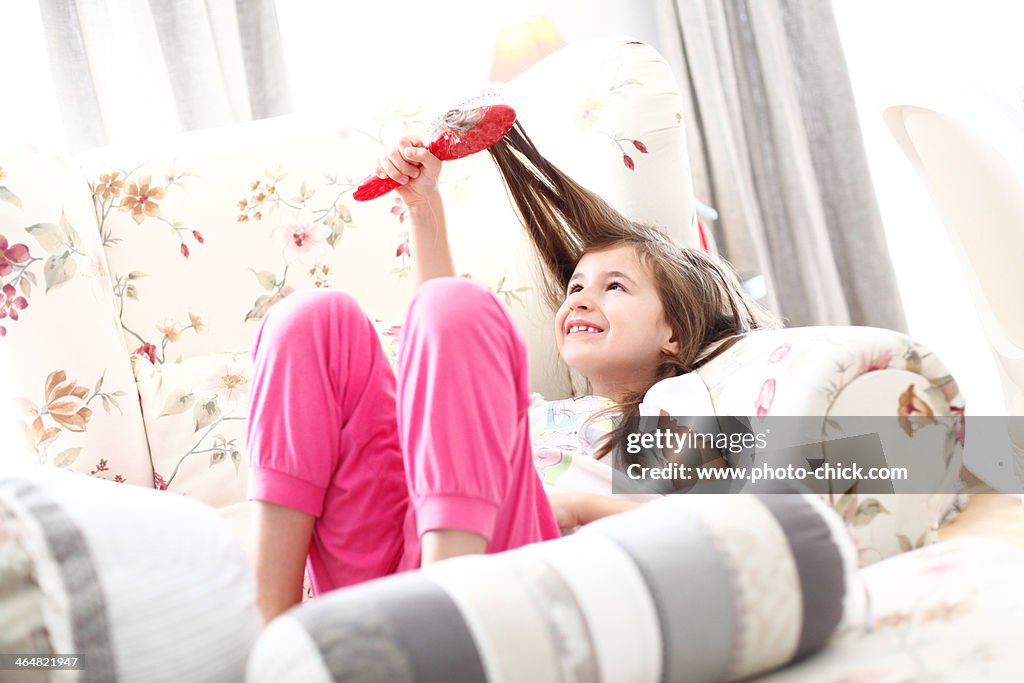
(690, 587)
(68, 553)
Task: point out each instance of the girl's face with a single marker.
(612, 326)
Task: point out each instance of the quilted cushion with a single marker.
(145, 586)
(696, 588)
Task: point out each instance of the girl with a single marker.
(359, 476)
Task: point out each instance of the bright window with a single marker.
(28, 109)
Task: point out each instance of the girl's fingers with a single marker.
(410, 141)
(393, 172)
(407, 141)
(400, 163)
(414, 154)
(416, 151)
(422, 156)
(407, 160)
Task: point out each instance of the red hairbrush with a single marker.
(471, 127)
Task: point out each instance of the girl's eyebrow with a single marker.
(620, 274)
(609, 274)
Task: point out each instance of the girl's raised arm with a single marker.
(416, 170)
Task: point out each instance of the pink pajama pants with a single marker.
(379, 464)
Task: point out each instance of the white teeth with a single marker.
(582, 328)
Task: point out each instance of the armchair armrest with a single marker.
(827, 371)
(846, 372)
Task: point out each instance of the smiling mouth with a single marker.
(574, 330)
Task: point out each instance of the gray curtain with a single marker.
(126, 67)
(776, 148)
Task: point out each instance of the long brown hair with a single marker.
(700, 294)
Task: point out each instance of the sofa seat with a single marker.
(949, 612)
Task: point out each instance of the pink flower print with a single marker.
(764, 399)
(959, 424)
(950, 390)
(779, 352)
(303, 240)
(146, 351)
(392, 331)
(398, 209)
(229, 381)
(942, 567)
(403, 249)
(641, 147)
(158, 482)
(547, 457)
(96, 267)
(10, 304)
(16, 253)
(551, 463)
(878, 361)
(628, 161)
(588, 113)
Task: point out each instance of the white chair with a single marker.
(968, 147)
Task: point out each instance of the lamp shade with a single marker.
(521, 45)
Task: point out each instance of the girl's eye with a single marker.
(574, 288)
(616, 284)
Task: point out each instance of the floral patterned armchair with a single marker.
(132, 283)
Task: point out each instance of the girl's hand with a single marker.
(567, 509)
(576, 509)
(414, 168)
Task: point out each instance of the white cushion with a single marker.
(147, 586)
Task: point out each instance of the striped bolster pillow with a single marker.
(145, 586)
(695, 588)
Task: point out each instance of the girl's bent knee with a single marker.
(451, 298)
(305, 311)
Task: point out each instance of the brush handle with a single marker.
(372, 187)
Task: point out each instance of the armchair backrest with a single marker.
(218, 237)
(173, 254)
(969, 151)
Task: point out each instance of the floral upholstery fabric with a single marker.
(948, 612)
(224, 223)
(195, 415)
(851, 371)
(171, 255)
(64, 368)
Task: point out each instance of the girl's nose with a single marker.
(579, 300)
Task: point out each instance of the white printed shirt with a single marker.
(565, 440)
